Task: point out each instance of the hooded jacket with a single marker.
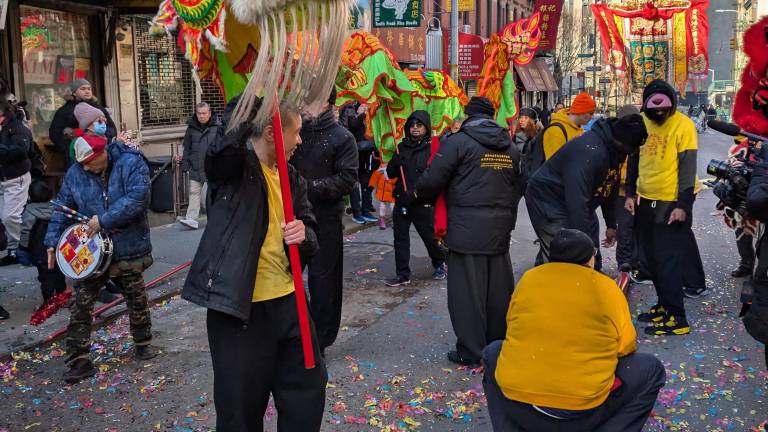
(756, 319)
(18, 152)
(223, 272)
(65, 118)
(553, 137)
(665, 169)
(580, 177)
(477, 167)
(120, 202)
(413, 155)
(197, 139)
(327, 158)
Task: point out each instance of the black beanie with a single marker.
(529, 112)
(332, 96)
(479, 105)
(571, 246)
(630, 130)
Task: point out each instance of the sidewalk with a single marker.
(172, 245)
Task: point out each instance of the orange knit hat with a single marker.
(582, 104)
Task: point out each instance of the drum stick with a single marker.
(66, 209)
(77, 218)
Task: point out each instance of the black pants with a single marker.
(626, 409)
(326, 272)
(756, 319)
(668, 251)
(626, 248)
(479, 290)
(423, 218)
(746, 248)
(261, 357)
(361, 197)
(52, 282)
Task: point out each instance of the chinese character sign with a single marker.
(470, 55)
(397, 13)
(464, 5)
(550, 18)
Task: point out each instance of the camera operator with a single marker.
(756, 318)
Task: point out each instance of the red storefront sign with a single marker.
(470, 55)
(550, 11)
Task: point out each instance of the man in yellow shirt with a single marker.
(241, 274)
(565, 125)
(663, 180)
(568, 361)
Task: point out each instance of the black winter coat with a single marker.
(197, 139)
(18, 152)
(756, 319)
(477, 167)
(578, 179)
(65, 118)
(327, 159)
(224, 269)
(413, 156)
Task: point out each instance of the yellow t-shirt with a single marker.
(554, 139)
(567, 326)
(658, 173)
(272, 277)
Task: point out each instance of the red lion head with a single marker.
(750, 110)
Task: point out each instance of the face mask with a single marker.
(100, 129)
(658, 116)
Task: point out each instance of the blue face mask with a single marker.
(100, 129)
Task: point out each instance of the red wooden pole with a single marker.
(293, 250)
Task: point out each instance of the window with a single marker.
(166, 87)
(55, 50)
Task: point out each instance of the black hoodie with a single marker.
(412, 156)
(577, 179)
(327, 158)
(477, 167)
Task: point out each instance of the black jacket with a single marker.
(756, 319)
(197, 139)
(65, 118)
(577, 179)
(18, 152)
(354, 122)
(412, 156)
(327, 159)
(224, 268)
(477, 169)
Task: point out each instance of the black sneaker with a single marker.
(144, 352)
(10, 259)
(640, 278)
(742, 271)
(654, 315)
(670, 325)
(440, 273)
(79, 370)
(397, 281)
(693, 293)
(4, 315)
(455, 357)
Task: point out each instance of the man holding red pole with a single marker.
(241, 273)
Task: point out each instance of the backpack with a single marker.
(532, 157)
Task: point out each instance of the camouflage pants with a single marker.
(128, 276)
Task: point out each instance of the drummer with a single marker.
(110, 184)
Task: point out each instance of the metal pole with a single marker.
(594, 54)
(454, 54)
(570, 86)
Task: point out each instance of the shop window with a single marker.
(55, 49)
(166, 87)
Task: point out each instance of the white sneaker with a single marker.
(189, 223)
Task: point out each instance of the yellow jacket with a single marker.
(553, 136)
(567, 326)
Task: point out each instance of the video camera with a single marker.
(732, 180)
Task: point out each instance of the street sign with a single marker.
(605, 80)
(397, 13)
(464, 5)
(585, 55)
(593, 68)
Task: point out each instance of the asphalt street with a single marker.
(387, 370)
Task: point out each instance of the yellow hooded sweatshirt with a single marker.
(567, 326)
(553, 136)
